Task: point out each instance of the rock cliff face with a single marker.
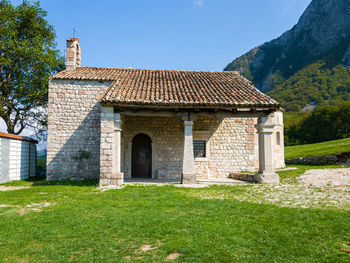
(322, 31)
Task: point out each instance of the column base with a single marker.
(188, 179)
(114, 179)
(267, 178)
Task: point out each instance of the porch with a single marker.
(182, 146)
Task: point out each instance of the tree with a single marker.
(322, 124)
(28, 56)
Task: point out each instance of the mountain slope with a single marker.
(314, 85)
(322, 35)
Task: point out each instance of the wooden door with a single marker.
(141, 156)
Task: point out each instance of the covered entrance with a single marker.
(141, 156)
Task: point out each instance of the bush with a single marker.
(41, 167)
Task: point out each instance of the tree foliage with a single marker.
(28, 56)
(317, 84)
(322, 124)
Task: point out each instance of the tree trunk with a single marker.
(11, 128)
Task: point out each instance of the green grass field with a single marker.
(318, 149)
(74, 222)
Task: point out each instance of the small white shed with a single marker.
(17, 157)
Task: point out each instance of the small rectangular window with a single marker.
(199, 149)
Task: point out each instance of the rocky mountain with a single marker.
(320, 41)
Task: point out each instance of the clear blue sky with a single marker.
(169, 34)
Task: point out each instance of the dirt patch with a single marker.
(11, 188)
(22, 211)
(33, 207)
(39, 205)
(146, 247)
(172, 256)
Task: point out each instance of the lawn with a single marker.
(60, 222)
(318, 149)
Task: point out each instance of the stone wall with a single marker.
(73, 146)
(230, 141)
(340, 158)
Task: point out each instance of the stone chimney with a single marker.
(73, 58)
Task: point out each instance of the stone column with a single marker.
(279, 147)
(266, 172)
(118, 175)
(106, 150)
(110, 148)
(188, 171)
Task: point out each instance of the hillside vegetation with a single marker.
(318, 149)
(322, 124)
(307, 65)
(315, 85)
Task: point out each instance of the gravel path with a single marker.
(317, 188)
(326, 177)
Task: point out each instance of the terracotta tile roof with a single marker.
(173, 87)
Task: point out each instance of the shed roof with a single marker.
(17, 137)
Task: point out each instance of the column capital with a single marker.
(117, 122)
(264, 129)
(189, 117)
(188, 123)
(265, 124)
(106, 113)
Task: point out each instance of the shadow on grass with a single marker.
(42, 182)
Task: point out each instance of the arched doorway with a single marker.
(141, 156)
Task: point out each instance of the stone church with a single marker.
(119, 124)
